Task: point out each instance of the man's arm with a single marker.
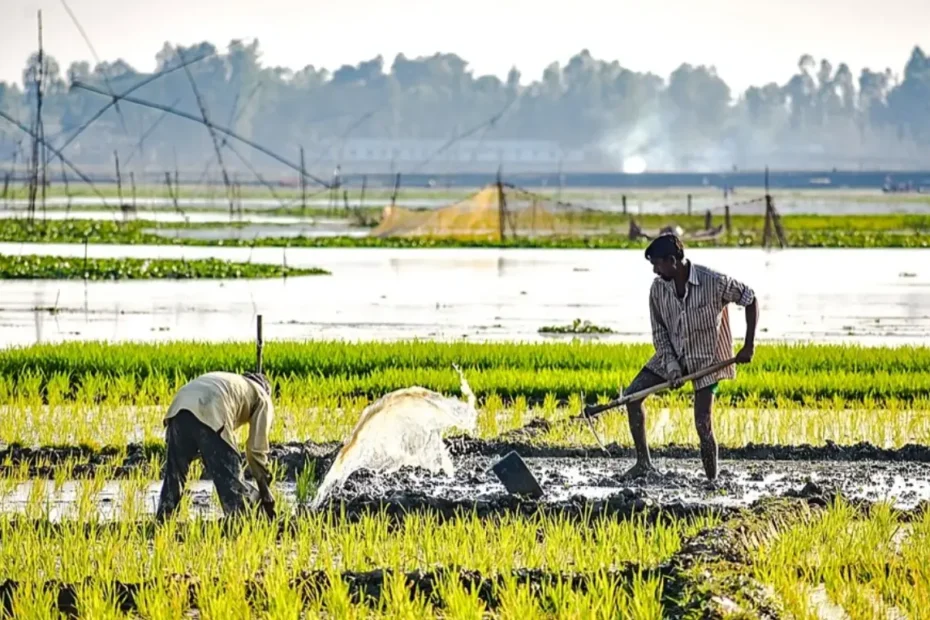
(661, 339)
(734, 291)
(257, 448)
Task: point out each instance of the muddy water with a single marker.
(678, 481)
(109, 504)
(861, 296)
(567, 484)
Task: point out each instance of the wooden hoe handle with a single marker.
(618, 402)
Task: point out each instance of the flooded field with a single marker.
(171, 216)
(865, 296)
(679, 482)
(823, 203)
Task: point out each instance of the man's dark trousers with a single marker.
(187, 439)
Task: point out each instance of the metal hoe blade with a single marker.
(591, 427)
(516, 476)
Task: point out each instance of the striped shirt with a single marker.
(694, 332)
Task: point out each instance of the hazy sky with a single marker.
(749, 41)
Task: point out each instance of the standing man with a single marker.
(691, 331)
(200, 423)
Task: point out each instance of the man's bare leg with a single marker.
(637, 419)
(703, 409)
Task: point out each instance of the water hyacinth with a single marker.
(595, 230)
(35, 267)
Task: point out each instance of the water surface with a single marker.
(866, 296)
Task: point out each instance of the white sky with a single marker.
(749, 41)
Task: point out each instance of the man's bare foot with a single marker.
(638, 471)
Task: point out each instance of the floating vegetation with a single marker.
(864, 231)
(35, 267)
(577, 327)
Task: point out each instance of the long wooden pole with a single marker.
(259, 346)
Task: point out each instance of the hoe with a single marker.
(517, 478)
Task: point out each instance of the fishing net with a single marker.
(402, 429)
(491, 213)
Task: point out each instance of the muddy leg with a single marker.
(703, 409)
(181, 452)
(637, 420)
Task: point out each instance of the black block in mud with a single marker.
(516, 476)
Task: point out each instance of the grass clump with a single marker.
(35, 267)
(577, 327)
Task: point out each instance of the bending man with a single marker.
(200, 423)
(690, 331)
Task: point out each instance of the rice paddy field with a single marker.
(818, 511)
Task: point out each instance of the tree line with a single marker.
(823, 116)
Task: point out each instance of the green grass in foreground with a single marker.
(33, 267)
(869, 568)
(258, 573)
(603, 231)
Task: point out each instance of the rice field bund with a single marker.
(818, 510)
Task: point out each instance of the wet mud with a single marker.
(573, 482)
(520, 440)
(291, 458)
(678, 482)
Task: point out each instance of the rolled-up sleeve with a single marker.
(734, 291)
(660, 337)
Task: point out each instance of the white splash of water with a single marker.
(402, 429)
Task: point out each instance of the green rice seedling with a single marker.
(7, 388)
(63, 473)
(336, 599)
(7, 486)
(458, 601)
(283, 601)
(396, 600)
(33, 601)
(644, 601)
(154, 466)
(863, 565)
(37, 502)
(517, 602)
(518, 412)
(163, 600)
(338, 360)
(307, 483)
(222, 600)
